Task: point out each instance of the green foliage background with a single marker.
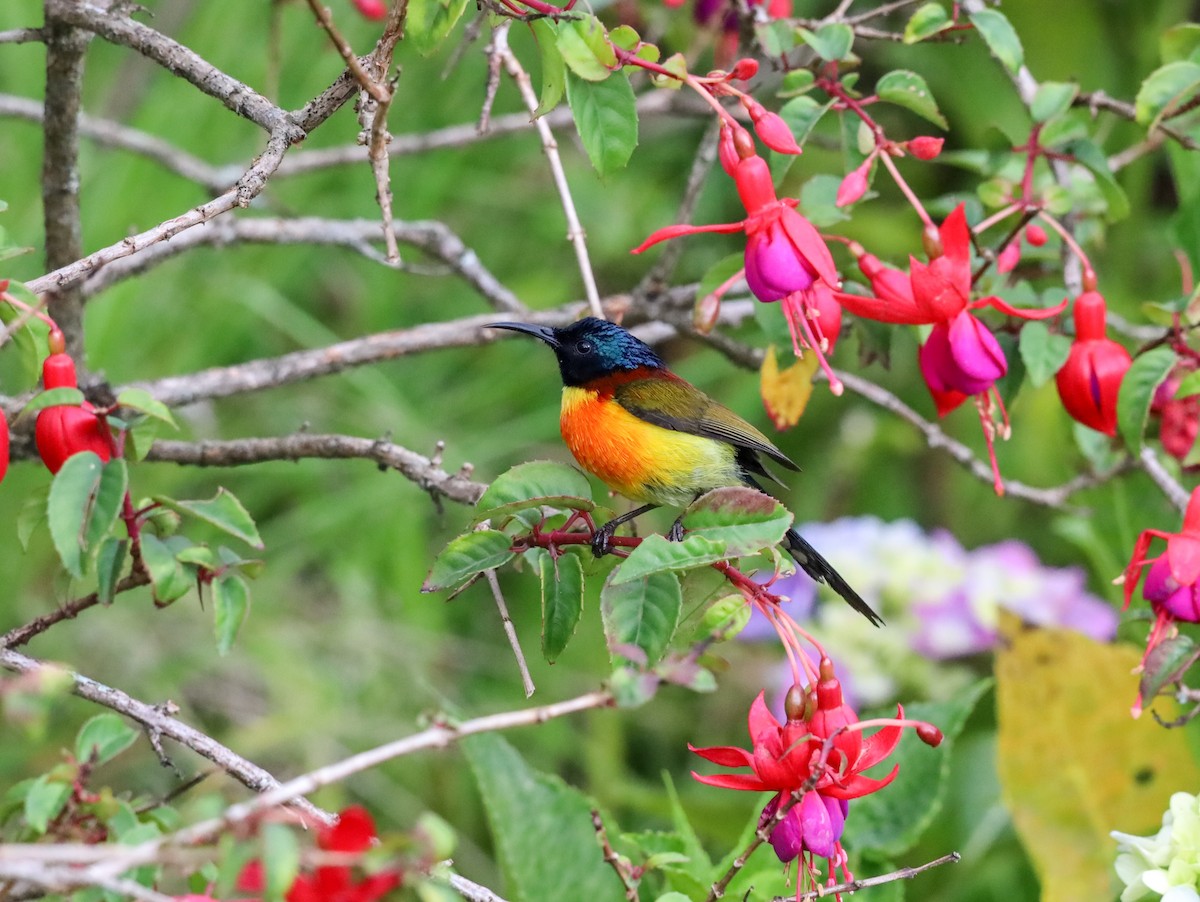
(340, 651)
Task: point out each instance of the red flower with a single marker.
(1171, 584)
(371, 9)
(66, 429)
(1179, 422)
(3, 445)
(1090, 379)
(786, 260)
(961, 358)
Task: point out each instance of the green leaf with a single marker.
(541, 828)
(223, 511)
(43, 802)
(430, 21)
(676, 65)
(1164, 664)
(745, 519)
(1165, 89)
(54, 397)
(167, 578)
(1052, 99)
(85, 499)
(584, 47)
(104, 736)
(1000, 37)
(796, 82)
(231, 601)
(802, 114)
(1179, 42)
(830, 42)
(720, 273)
(1043, 351)
(892, 820)
(642, 613)
(1137, 391)
(142, 435)
(467, 555)
(909, 90)
(554, 69)
(818, 200)
(30, 339)
(1189, 385)
(33, 514)
(1090, 155)
(927, 21)
(143, 402)
(281, 860)
(776, 37)
(625, 37)
(110, 561)
(562, 601)
(536, 484)
(657, 553)
(606, 118)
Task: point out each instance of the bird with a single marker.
(655, 438)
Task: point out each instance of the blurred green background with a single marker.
(340, 651)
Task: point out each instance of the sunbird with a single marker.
(654, 437)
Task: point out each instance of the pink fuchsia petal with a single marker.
(811, 245)
(724, 755)
(732, 781)
(774, 267)
(1165, 593)
(371, 9)
(1183, 553)
(977, 354)
(787, 839)
(675, 231)
(819, 832)
(1191, 517)
(1009, 257)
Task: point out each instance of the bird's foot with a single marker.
(602, 540)
(675, 533)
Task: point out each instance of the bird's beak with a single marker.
(545, 333)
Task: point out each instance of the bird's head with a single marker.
(591, 349)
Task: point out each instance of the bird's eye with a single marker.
(583, 346)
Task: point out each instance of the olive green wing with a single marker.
(675, 404)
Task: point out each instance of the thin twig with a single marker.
(1176, 494)
(18, 636)
(612, 858)
(575, 233)
(511, 632)
(854, 886)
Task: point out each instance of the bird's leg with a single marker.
(602, 537)
(675, 533)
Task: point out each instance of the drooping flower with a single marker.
(1179, 417)
(1165, 865)
(67, 429)
(961, 358)
(1171, 583)
(786, 259)
(1089, 381)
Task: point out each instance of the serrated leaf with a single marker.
(54, 397)
(82, 507)
(745, 519)
(541, 827)
(231, 602)
(110, 560)
(585, 49)
(606, 118)
(535, 484)
(467, 555)
(280, 859)
(167, 578)
(831, 42)
(909, 90)
(1165, 89)
(1044, 352)
(104, 736)
(223, 511)
(562, 601)
(43, 802)
(892, 820)
(554, 69)
(430, 21)
(1137, 391)
(143, 402)
(1164, 664)
(1052, 99)
(657, 554)
(927, 21)
(642, 613)
(1001, 38)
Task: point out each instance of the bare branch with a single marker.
(1176, 494)
(854, 886)
(511, 632)
(18, 636)
(22, 36)
(245, 772)
(241, 452)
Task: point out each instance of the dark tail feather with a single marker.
(822, 571)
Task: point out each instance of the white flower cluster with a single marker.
(1167, 864)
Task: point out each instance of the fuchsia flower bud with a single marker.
(1089, 381)
(1035, 235)
(744, 69)
(727, 150)
(854, 185)
(773, 131)
(1009, 257)
(371, 9)
(64, 430)
(925, 147)
(3, 445)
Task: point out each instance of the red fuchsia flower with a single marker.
(786, 259)
(3, 445)
(352, 834)
(1089, 381)
(961, 358)
(67, 429)
(821, 751)
(1171, 583)
(1179, 418)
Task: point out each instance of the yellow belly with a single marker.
(642, 461)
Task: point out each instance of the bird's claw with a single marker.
(675, 533)
(602, 541)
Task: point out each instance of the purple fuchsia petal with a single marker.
(976, 354)
(773, 267)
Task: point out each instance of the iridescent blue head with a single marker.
(591, 349)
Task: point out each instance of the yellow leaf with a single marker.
(1073, 764)
(785, 393)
